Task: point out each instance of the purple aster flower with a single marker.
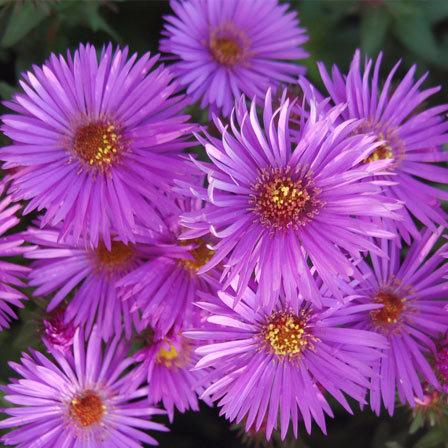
(164, 287)
(58, 334)
(223, 48)
(167, 362)
(77, 400)
(93, 139)
(10, 273)
(273, 368)
(410, 136)
(278, 205)
(412, 313)
(91, 274)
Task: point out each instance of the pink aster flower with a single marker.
(81, 399)
(164, 287)
(93, 138)
(10, 273)
(274, 368)
(412, 314)
(278, 205)
(86, 278)
(223, 48)
(410, 136)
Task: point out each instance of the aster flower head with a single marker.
(412, 314)
(410, 136)
(223, 48)
(167, 361)
(11, 274)
(93, 138)
(274, 368)
(86, 279)
(163, 288)
(58, 334)
(277, 205)
(81, 399)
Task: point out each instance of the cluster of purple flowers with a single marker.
(265, 277)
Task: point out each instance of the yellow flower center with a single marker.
(390, 313)
(228, 46)
(391, 148)
(99, 144)
(226, 51)
(288, 335)
(87, 409)
(383, 152)
(173, 354)
(201, 254)
(167, 355)
(116, 259)
(281, 201)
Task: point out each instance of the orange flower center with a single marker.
(87, 409)
(201, 254)
(286, 334)
(390, 313)
(115, 259)
(281, 201)
(99, 144)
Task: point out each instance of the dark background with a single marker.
(415, 31)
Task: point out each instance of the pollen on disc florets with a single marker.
(383, 152)
(287, 334)
(391, 147)
(281, 200)
(228, 45)
(391, 312)
(201, 254)
(99, 144)
(117, 259)
(87, 409)
(174, 352)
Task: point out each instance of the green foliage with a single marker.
(432, 416)
(22, 19)
(413, 30)
(375, 24)
(6, 90)
(31, 29)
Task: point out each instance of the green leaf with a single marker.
(24, 18)
(402, 8)
(393, 444)
(374, 26)
(436, 10)
(96, 21)
(6, 90)
(414, 31)
(417, 423)
(432, 439)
